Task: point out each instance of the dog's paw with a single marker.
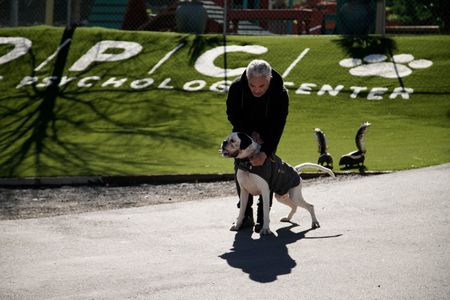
(265, 231)
(315, 225)
(285, 219)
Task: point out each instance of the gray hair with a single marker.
(259, 67)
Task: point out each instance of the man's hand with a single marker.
(258, 159)
(257, 138)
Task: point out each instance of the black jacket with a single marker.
(279, 175)
(265, 115)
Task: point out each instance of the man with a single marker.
(257, 104)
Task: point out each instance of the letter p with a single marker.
(98, 53)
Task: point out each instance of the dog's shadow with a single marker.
(266, 258)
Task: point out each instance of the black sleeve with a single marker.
(234, 109)
(278, 116)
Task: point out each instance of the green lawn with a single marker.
(108, 130)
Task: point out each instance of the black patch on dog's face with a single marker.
(245, 140)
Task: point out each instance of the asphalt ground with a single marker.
(381, 237)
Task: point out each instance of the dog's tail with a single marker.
(313, 166)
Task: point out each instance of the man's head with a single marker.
(259, 74)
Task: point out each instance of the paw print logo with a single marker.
(378, 65)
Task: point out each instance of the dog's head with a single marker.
(239, 145)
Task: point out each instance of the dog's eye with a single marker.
(232, 141)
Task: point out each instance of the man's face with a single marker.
(258, 85)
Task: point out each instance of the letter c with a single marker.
(205, 63)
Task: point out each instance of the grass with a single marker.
(120, 131)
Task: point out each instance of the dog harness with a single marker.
(280, 176)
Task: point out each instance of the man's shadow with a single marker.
(266, 258)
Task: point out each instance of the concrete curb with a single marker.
(54, 182)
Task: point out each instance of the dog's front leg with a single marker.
(265, 230)
(243, 205)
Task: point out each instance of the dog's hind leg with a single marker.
(285, 199)
(300, 201)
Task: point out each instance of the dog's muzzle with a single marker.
(224, 151)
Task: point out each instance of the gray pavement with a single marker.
(382, 237)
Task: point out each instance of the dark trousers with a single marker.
(248, 209)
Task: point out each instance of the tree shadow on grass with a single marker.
(266, 258)
(360, 46)
(39, 126)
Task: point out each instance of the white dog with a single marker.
(275, 175)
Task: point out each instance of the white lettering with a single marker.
(194, 85)
(205, 63)
(326, 88)
(84, 83)
(27, 80)
(220, 86)
(65, 80)
(403, 92)
(164, 84)
(45, 62)
(21, 47)
(305, 88)
(296, 61)
(47, 81)
(166, 57)
(217, 87)
(114, 82)
(98, 53)
(142, 83)
(288, 84)
(356, 90)
(376, 93)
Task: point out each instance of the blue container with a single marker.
(191, 17)
(355, 17)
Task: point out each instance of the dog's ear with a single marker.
(245, 140)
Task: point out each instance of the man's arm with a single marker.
(234, 110)
(277, 123)
(275, 130)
